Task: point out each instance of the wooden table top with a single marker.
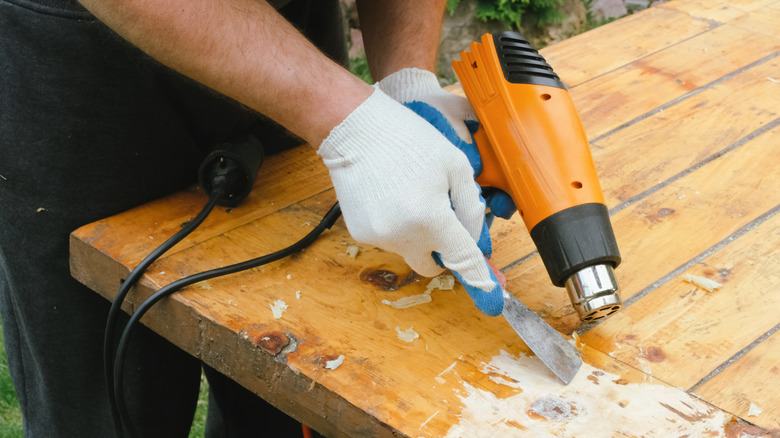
(680, 103)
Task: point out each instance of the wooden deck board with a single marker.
(584, 57)
(748, 387)
(612, 100)
(682, 112)
(680, 333)
(680, 136)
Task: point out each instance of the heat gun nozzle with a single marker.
(592, 291)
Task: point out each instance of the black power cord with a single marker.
(227, 175)
(327, 222)
(116, 305)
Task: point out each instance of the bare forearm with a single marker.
(245, 50)
(400, 33)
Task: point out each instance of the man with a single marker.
(91, 126)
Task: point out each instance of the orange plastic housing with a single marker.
(531, 139)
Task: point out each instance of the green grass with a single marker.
(359, 67)
(199, 423)
(11, 414)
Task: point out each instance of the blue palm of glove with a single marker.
(491, 303)
(499, 202)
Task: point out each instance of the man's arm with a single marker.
(245, 50)
(400, 34)
(379, 153)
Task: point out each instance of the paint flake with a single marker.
(442, 282)
(335, 363)
(702, 282)
(410, 301)
(754, 410)
(353, 251)
(407, 335)
(278, 308)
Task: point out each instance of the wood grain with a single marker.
(665, 229)
(748, 387)
(612, 100)
(680, 333)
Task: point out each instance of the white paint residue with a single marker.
(754, 410)
(298, 294)
(702, 282)
(410, 301)
(335, 363)
(442, 282)
(555, 409)
(278, 307)
(449, 368)
(429, 419)
(353, 251)
(594, 404)
(645, 368)
(407, 335)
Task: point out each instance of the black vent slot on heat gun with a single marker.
(521, 63)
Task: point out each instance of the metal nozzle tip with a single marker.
(592, 291)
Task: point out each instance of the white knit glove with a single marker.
(454, 117)
(415, 85)
(405, 188)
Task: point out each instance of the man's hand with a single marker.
(452, 115)
(455, 118)
(404, 187)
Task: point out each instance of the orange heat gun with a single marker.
(533, 147)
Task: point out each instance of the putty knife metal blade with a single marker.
(554, 350)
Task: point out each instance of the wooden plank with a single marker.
(679, 332)
(597, 52)
(766, 20)
(719, 197)
(460, 368)
(718, 10)
(748, 387)
(658, 147)
(624, 95)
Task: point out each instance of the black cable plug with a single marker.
(232, 167)
(227, 176)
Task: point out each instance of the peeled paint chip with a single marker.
(278, 307)
(407, 335)
(403, 303)
(442, 282)
(702, 282)
(335, 363)
(754, 411)
(352, 251)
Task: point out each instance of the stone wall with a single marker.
(461, 27)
